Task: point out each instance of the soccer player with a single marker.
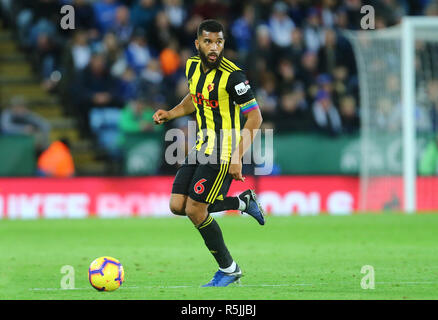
(219, 93)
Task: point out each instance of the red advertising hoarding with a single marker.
(26, 198)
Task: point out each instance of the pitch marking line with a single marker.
(243, 285)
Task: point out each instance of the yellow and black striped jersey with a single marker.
(219, 96)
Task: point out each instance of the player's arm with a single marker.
(249, 131)
(185, 107)
(242, 94)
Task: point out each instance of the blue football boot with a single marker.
(253, 207)
(223, 279)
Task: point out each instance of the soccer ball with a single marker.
(106, 274)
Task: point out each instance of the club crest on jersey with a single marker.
(210, 87)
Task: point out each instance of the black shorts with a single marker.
(203, 182)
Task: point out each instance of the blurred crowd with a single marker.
(126, 58)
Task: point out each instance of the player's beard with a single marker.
(207, 63)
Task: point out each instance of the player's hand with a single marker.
(161, 116)
(235, 170)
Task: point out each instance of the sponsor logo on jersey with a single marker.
(199, 99)
(242, 88)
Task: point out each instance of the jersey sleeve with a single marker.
(239, 89)
(186, 69)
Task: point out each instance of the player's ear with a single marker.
(197, 44)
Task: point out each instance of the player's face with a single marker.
(210, 46)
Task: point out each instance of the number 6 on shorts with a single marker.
(199, 187)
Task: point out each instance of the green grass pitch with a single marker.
(289, 258)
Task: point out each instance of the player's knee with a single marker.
(177, 208)
(177, 204)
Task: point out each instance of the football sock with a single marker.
(242, 204)
(230, 269)
(212, 235)
(229, 203)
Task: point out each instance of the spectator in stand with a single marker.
(79, 51)
(341, 18)
(312, 30)
(340, 85)
(160, 32)
(292, 114)
(110, 47)
(18, 119)
(143, 14)
(242, 32)
(95, 88)
(324, 82)
(75, 57)
(84, 15)
(385, 115)
(329, 55)
(267, 98)
(300, 96)
(105, 14)
(37, 16)
(170, 59)
(136, 117)
(325, 115)
(349, 115)
(56, 161)
(308, 73)
(128, 85)
(46, 56)
(115, 55)
(122, 27)
(296, 11)
(151, 79)
(281, 26)
(97, 85)
(298, 47)
(173, 65)
(42, 27)
(176, 12)
(352, 10)
(287, 73)
(260, 59)
(138, 53)
(190, 28)
(328, 15)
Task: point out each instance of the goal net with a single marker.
(398, 80)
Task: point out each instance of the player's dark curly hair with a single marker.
(210, 25)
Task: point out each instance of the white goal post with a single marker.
(395, 51)
(412, 28)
